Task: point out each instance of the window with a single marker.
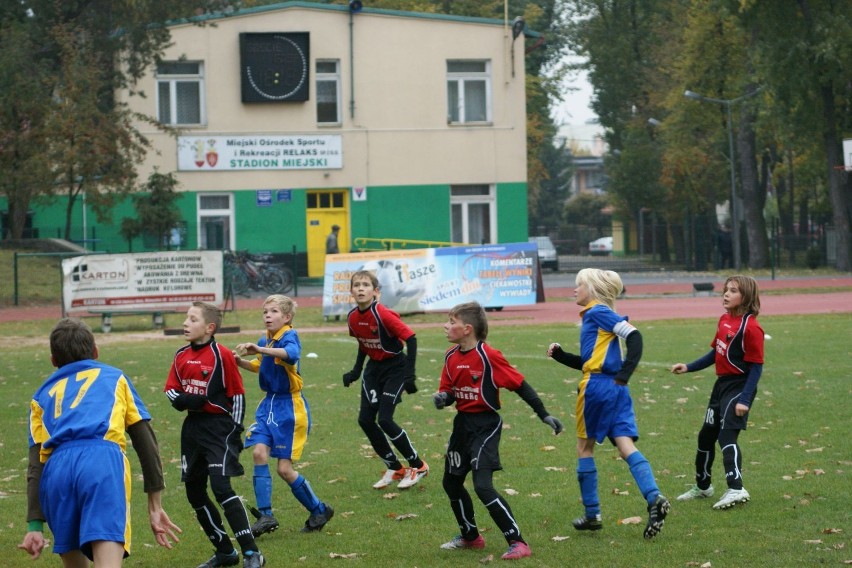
(468, 91)
(180, 88)
(328, 91)
(473, 209)
(215, 221)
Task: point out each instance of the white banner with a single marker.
(147, 281)
(261, 152)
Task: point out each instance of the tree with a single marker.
(156, 213)
(58, 109)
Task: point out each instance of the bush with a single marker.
(813, 258)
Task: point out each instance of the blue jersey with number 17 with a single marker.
(84, 400)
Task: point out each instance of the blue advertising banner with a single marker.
(423, 280)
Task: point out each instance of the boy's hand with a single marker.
(679, 368)
(350, 377)
(33, 544)
(554, 423)
(442, 399)
(410, 386)
(553, 348)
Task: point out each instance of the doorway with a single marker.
(326, 207)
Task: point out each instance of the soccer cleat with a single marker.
(264, 524)
(318, 521)
(219, 559)
(588, 523)
(657, 512)
(413, 475)
(695, 492)
(732, 497)
(459, 543)
(517, 549)
(253, 559)
(389, 477)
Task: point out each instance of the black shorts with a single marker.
(210, 444)
(474, 443)
(720, 413)
(384, 380)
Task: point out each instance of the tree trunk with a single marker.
(837, 189)
(754, 196)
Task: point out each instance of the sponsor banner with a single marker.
(261, 152)
(424, 280)
(150, 282)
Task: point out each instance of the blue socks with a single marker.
(641, 470)
(587, 475)
(263, 489)
(303, 491)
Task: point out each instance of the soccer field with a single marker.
(797, 456)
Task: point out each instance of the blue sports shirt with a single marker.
(84, 400)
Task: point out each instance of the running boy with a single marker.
(283, 418)
(381, 336)
(604, 406)
(472, 376)
(737, 351)
(204, 380)
(78, 419)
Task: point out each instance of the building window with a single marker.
(180, 88)
(328, 91)
(473, 212)
(215, 221)
(468, 91)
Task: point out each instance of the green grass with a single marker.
(797, 458)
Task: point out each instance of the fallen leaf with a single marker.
(535, 495)
(559, 538)
(617, 491)
(336, 555)
(818, 541)
(406, 516)
(487, 559)
(346, 514)
(819, 472)
(832, 531)
(812, 450)
(682, 400)
(554, 468)
(630, 521)
(390, 495)
(511, 492)
(548, 448)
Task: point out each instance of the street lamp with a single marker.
(728, 103)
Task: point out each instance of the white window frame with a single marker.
(172, 80)
(204, 213)
(465, 201)
(460, 79)
(329, 78)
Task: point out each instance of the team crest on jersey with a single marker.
(374, 329)
(475, 377)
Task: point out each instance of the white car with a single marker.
(602, 245)
(546, 252)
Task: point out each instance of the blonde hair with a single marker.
(603, 285)
(210, 314)
(749, 291)
(284, 303)
(471, 313)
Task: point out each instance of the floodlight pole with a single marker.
(735, 221)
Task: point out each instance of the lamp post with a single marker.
(728, 103)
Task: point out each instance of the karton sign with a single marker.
(230, 153)
(155, 281)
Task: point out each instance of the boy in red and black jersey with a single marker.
(382, 336)
(205, 381)
(737, 353)
(472, 376)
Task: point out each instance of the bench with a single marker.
(702, 287)
(157, 321)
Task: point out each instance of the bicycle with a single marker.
(245, 271)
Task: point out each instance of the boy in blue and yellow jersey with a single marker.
(282, 419)
(604, 407)
(78, 478)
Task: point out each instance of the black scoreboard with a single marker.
(274, 67)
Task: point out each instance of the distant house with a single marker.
(587, 147)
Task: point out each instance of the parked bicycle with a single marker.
(245, 272)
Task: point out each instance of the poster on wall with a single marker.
(424, 280)
(141, 282)
(260, 152)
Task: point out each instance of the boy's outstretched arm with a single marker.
(528, 394)
(703, 362)
(555, 352)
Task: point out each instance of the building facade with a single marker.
(294, 117)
